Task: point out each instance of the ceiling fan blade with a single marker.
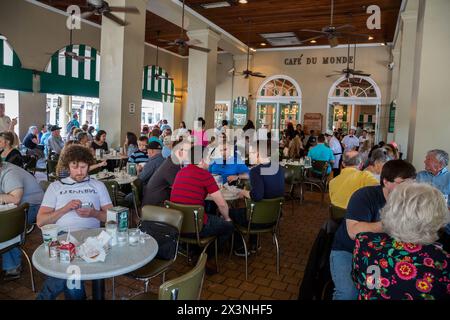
(85, 58)
(87, 14)
(258, 75)
(361, 74)
(193, 42)
(313, 31)
(115, 19)
(133, 10)
(200, 49)
(164, 41)
(333, 75)
(345, 27)
(313, 38)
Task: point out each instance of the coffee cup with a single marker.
(49, 234)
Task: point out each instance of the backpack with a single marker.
(165, 234)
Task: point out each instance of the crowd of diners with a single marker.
(396, 219)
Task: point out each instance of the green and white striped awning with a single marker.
(68, 76)
(12, 76)
(157, 89)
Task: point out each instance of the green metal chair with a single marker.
(318, 176)
(266, 211)
(113, 189)
(44, 184)
(157, 266)
(186, 287)
(337, 213)
(193, 224)
(137, 191)
(51, 170)
(293, 177)
(13, 224)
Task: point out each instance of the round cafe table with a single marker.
(227, 194)
(126, 179)
(119, 260)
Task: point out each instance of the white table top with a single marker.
(111, 157)
(8, 206)
(127, 179)
(227, 194)
(295, 163)
(119, 260)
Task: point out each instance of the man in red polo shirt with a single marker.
(191, 186)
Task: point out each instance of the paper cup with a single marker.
(49, 233)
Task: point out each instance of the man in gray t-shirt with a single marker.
(18, 186)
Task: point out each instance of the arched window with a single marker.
(278, 103)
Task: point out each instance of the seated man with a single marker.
(231, 168)
(140, 155)
(62, 206)
(264, 186)
(31, 142)
(191, 186)
(155, 159)
(351, 179)
(157, 189)
(363, 215)
(322, 153)
(55, 143)
(18, 186)
(437, 174)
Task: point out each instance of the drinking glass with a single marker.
(133, 236)
(111, 228)
(122, 238)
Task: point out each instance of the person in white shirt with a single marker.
(363, 138)
(6, 124)
(73, 203)
(350, 141)
(336, 147)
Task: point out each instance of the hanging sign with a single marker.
(240, 108)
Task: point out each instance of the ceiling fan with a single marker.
(71, 54)
(332, 33)
(347, 71)
(102, 8)
(157, 75)
(247, 72)
(183, 42)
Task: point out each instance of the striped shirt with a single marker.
(138, 157)
(191, 186)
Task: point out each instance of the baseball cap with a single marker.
(54, 128)
(353, 128)
(329, 132)
(154, 146)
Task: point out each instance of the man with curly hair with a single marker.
(62, 205)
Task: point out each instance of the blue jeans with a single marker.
(53, 287)
(341, 272)
(218, 227)
(13, 258)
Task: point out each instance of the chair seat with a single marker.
(203, 241)
(152, 269)
(313, 180)
(244, 230)
(145, 296)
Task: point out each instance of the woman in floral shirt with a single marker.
(404, 263)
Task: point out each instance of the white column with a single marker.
(122, 51)
(31, 111)
(429, 125)
(64, 113)
(407, 53)
(202, 78)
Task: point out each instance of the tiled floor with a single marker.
(298, 231)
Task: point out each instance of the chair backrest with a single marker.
(30, 164)
(13, 223)
(51, 166)
(137, 189)
(186, 287)
(320, 166)
(292, 174)
(112, 187)
(192, 217)
(44, 184)
(337, 213)
(266, 211)
(160, 214)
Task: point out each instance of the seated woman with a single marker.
(99, 141)
(131, 144)
(404, 262)
(8, 153)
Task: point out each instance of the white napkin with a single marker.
(94, 248)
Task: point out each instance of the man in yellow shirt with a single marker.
(351, 179)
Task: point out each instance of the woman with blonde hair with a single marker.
(295, 147)
(405, 262)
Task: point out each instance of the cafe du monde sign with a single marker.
(301, 60)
